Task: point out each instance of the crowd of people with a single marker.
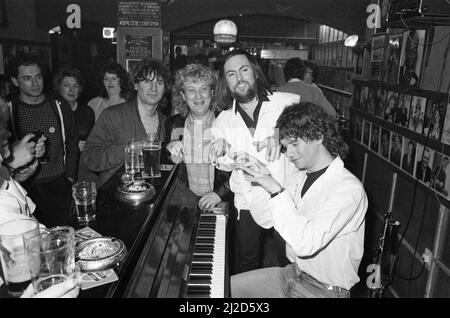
(273, 153)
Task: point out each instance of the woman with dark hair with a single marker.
(115, 89)
(69, 83)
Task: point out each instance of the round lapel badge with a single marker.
(52, 130)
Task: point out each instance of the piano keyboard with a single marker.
(207, 273)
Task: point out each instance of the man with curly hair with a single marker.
(320, 214)
(190, 134)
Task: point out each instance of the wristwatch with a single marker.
(277, 193)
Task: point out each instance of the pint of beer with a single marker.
(151, 152)
(16, 272)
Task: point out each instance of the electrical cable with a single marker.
(418, 42)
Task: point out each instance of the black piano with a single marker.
(174, 250)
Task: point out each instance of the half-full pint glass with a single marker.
(151, 152)
(16, 273)
(85, 194)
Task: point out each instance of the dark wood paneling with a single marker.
(443, 287)
(378, 183)
(423, 218)
(446, 250)
(414, 288)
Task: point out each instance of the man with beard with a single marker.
(247, 124)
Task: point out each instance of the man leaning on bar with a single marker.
(119, 124)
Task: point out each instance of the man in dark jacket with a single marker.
(32, 111)
(118, 125)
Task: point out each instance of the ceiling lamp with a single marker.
(225, 31)
(351, 41)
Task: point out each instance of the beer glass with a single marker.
(84, 194)
(151, 151)
(51, 257)
(132, 159)
(16, 273)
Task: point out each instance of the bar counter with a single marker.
(157, 234)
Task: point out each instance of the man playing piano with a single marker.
(320, 214)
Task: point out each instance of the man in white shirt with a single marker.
(320, 214)
(247, 124)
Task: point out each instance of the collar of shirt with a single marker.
(251, 122)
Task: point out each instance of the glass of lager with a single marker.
(16, 273)
(85, 194)
(151, 152)
(51, 257)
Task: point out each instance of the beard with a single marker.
(247, 96)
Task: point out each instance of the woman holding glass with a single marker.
(193, 97)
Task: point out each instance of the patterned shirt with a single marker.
(42, 117)
(197, 137)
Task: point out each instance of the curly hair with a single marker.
(194, 73)
(150, 68)
(310, 122)
(68, 71)
(124, 82)
(224, 94)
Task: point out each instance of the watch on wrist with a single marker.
(277, 193)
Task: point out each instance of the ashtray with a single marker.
(99, 254)
(135, 193)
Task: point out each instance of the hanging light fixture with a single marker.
(225, 31)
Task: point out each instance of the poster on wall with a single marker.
(409, 155)
(392, 58)
(411, 58)
(376, 58)
(424, 162)
(434, 118)
(404, 104)
(375, 138)
(131, 64)
(417, 113)
(446, 129)
(138, 46)
(133, 13)
(439, 174)
(385, 143)
(396, 148)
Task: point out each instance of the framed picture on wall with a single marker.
(417, 113)
(377, 55)
(446, 129)
(424, 162)
(392, 58)
(404, 104)
(409, 155)
(396, 148)
(411, 58)
(439, 173)
(434, 118)
(375, 138)
(391, 106)
(380, 104)
(366, 132)
(385, 143)
(131, 63)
